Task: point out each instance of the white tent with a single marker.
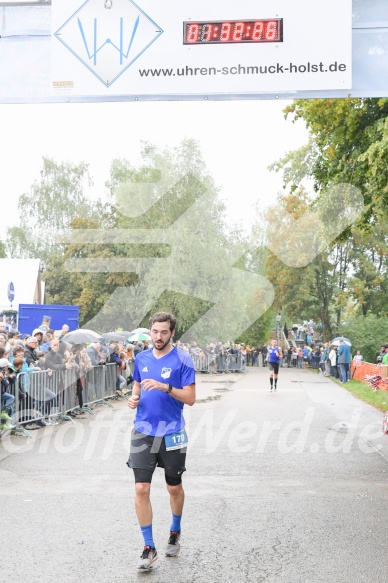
(25, 276)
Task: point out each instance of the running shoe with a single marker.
(173, 545)
(148, 557)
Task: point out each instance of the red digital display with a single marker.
(233, 31)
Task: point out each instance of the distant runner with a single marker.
(274, 355)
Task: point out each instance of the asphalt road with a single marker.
(288, 487)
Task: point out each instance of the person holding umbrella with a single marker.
(164, 381)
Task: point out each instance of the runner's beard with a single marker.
(162, 345)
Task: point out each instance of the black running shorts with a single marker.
(148, 452)
(274, 366)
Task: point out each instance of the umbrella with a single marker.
(136, 336)
(141, 330)
(336, 341)
(115, 336)
(82, 336)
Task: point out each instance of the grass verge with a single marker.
(361, 390)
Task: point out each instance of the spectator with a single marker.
(358, 356)
(264, 351)
(41, 364)
(38, 335)
(78, 365)
(306, 356)
(7, 400)
(64, 331)
(300, 358)
(46, 340)
(5, 344)
(139, 346)
(381, 355)
(115, 358)
(289, 355)
(17, 352)
(54, 360)
(45, 325)
(30, 350)
(333, 362)
(344, 361)
(326, 351)
(385, 357)
(94, 354)
(255, 356)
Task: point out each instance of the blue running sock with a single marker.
(147, 535)
(176, 522)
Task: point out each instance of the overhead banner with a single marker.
(109, 48)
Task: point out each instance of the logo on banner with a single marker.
(108, 36)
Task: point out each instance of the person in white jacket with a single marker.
(333, 362)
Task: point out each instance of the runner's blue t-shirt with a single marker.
(158, 413)
(273, 354)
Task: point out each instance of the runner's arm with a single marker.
(184, 395)
(134, 399)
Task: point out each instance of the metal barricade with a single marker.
(38, 397)
(201, 363)
(94, 384)
(218, 363)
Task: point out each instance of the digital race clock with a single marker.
(233, 31)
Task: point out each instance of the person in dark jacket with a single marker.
(30, 349)
(115, 358)
(54, 360)
(264, 351)
(93, 352)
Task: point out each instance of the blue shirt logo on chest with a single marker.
(166, 372)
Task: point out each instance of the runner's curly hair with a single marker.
(163, 317)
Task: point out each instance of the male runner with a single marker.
(164, 382)
(274, 355)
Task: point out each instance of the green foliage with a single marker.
(367, 333)
(48, 209)
(348, 145)
(259, 331)
(118, 277)
(3, 251)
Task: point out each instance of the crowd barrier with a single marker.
(359, 370)
(60, 394)
(218, 363)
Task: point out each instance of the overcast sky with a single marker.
(239, 139)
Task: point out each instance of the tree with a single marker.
(309, 282)
(367, 333)
(161, 244)
(48, 209)
(348, 144)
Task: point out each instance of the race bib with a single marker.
(176, 440)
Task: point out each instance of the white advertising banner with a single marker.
(202, 47)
